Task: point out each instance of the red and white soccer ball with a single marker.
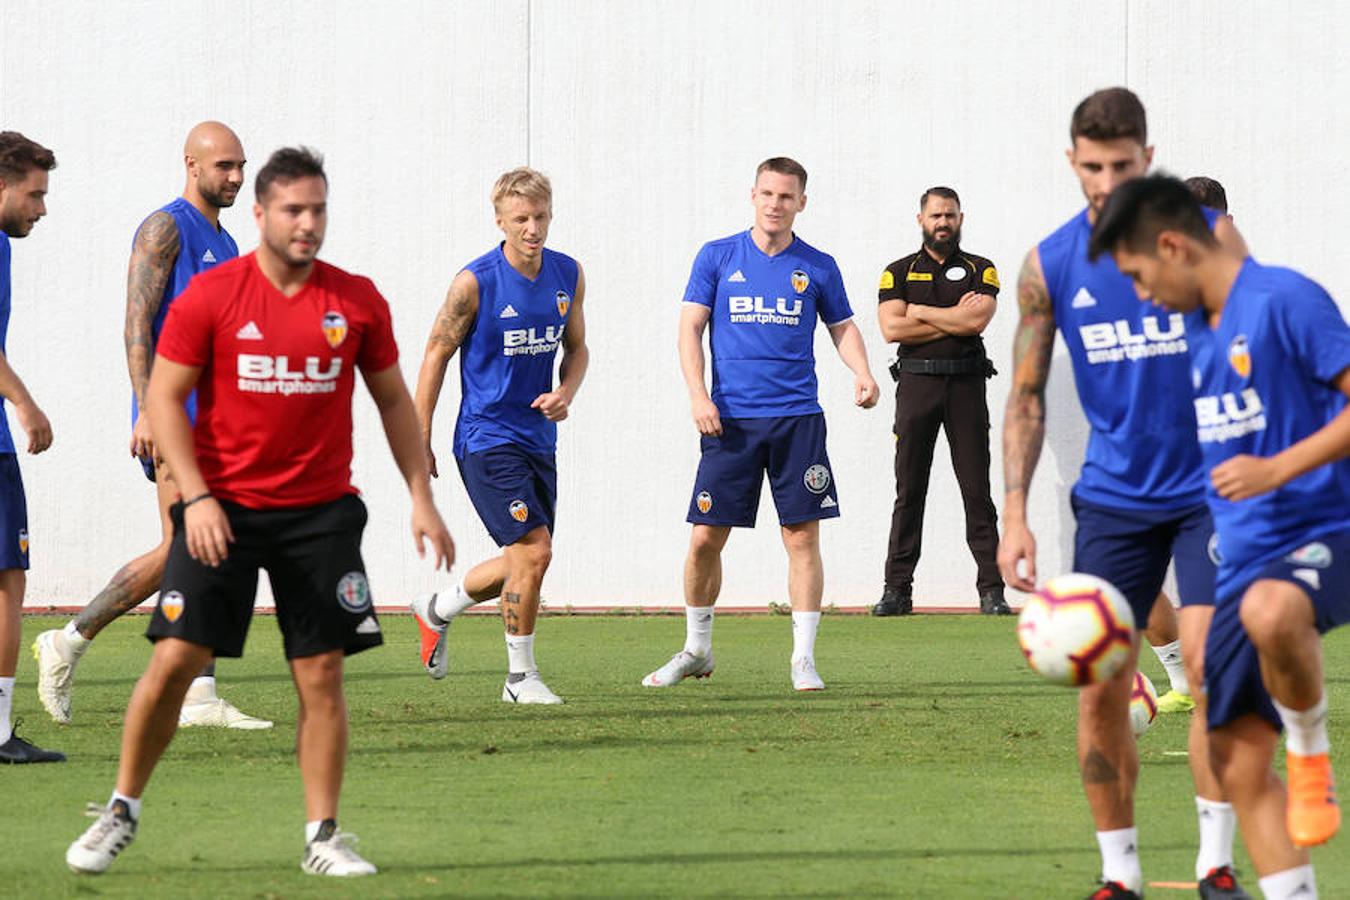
(1143, 704)
(1076, 630)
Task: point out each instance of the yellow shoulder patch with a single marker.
(887, 281)
(919, 276)
(990, 277)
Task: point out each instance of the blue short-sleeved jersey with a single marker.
(506, 361)
(1141, 451)
(6, 439)
(1263, 382)
(762, 329)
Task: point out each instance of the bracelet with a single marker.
(196, 499)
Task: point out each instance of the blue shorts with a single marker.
(1233, 684)
(1131, 548)
(513, 490)
(731, 472)
(148, 465)
(13, 515)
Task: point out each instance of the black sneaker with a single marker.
(1113, 890)
(993, 604)
(16, 750)
(893, 602)
(1221, 884)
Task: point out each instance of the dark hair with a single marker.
(1139, 210)
(288, 164)
(783, 166)
(939, 191)
(1109, 114)
(19, 155)
(1209, 192)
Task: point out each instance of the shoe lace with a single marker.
(99, 831)
(340, 845)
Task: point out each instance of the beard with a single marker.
(220, 198)
(942, 246)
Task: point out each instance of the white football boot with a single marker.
(435, 658)
(218, 713)
(530, 689)
(804, 676)
(56, 673)
(681, 666)
(335, 856)
(94, 851)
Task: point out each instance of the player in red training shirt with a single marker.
(271, 341)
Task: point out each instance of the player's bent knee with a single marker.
(1273, 611)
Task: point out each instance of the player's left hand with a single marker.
(427, 525)
(553, 405)
(34, 421)
(865, 391)
(1245, 476)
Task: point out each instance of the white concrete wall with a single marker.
(650, 118)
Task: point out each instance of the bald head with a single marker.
(214, 158)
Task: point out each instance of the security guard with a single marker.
(934, 304)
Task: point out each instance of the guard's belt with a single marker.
(970, 366)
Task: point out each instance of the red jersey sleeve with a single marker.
(379, 351)
(187, 335)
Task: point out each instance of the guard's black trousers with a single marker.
(923, 404)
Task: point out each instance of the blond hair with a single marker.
(522, 182)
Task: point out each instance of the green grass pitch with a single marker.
(936, 765)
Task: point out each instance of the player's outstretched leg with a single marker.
(702, 584)
(434, 612)
(1279, 618)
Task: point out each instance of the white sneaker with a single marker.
(95, 850)
(218, 713)
(529, 690)
(804, 677)
(335, 857)
(681, 666)
(432, 650)
(56, 673)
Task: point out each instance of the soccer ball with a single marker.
(1143, 704)
(1077, 629)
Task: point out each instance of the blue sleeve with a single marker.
(702, 287)
(1316, 333)
(834, 307)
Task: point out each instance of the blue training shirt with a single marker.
(1263, 382)
(6, 439)
(762, 329)
(506, 361)
(1127, 356)
(200, 247)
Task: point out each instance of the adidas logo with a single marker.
(368, 626)
(1083, 299)
(827, 503)
(249, 332)
(208, 257)
(1309, 577)
(509, 312)
(737, 277)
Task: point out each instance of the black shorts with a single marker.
(312, 555)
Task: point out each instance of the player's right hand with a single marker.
(706, 417)
(208, 532)
(34, 421)
(428, 525)
(431, 461)
(1018, 545)
(142, 444)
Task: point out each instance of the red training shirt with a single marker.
(274, 401)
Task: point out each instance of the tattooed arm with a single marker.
(453, 324)
(1024, 420)
(152, 257)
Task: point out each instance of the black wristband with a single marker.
(196, 499)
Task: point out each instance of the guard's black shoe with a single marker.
(993, 604)
(1113, 890)
(893, 603)
(1221, 884)
(17, 750)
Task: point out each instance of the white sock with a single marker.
(203, 687)
(1170, 657)
(1305, 731)
(804, 627)
(1217, 824)
(6, 704)
(75, 642)
(448, 604)
(133, 804)
(312, 829)
(1120, 857)
(520, 654)
(698, 623)
(1291, 884)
